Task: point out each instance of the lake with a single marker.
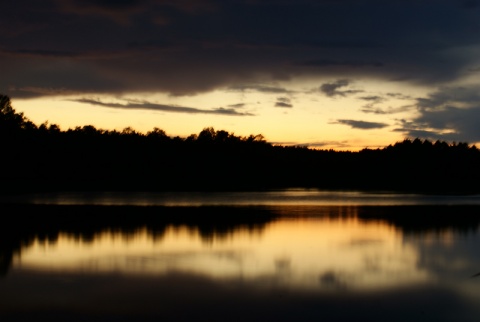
(290, 255)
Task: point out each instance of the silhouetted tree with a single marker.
(207, 135)
(157, 134)
(11, 121)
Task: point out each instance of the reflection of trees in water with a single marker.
(425, 219)
(45, 223)
(6, 256)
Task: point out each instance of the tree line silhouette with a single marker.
(45, 158)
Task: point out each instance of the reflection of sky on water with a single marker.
(451, 259)
(299, 266)
(270, 198)
(316, 254)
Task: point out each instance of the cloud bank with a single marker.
(451, 113)
(186, 47)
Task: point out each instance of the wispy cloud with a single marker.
(284, 102)
(399, 96)
(132, 105)
(372, 98)
(238, 105)
(259, 88)
(333, 89)
(362, 125)
(369, 108)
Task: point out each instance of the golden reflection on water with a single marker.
(308, 253)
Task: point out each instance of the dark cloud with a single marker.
(132, 105)
(332, 89)
(362, 125)
(352, 64)
(399, 96)
(184, 47)
(372, 98)
(471, 4)
(425, 134)
(107, 4)
(450, 97)
(119, 11)
(283, 102)
(372, 102)
(474, 69)
(41, 53)
(160, 44)
(30, 92)
(451, 113)
(259, 88)
(123, 11)
(383, 111)
(239, 105)
(284, 105)
(369, 109)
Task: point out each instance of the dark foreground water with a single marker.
(71, 258)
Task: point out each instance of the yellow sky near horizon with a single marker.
(312, 120)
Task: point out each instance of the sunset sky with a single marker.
(342, 74)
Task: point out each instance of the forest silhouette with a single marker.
(45, 158)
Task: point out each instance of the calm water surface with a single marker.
(292, 256)
(272, 198)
